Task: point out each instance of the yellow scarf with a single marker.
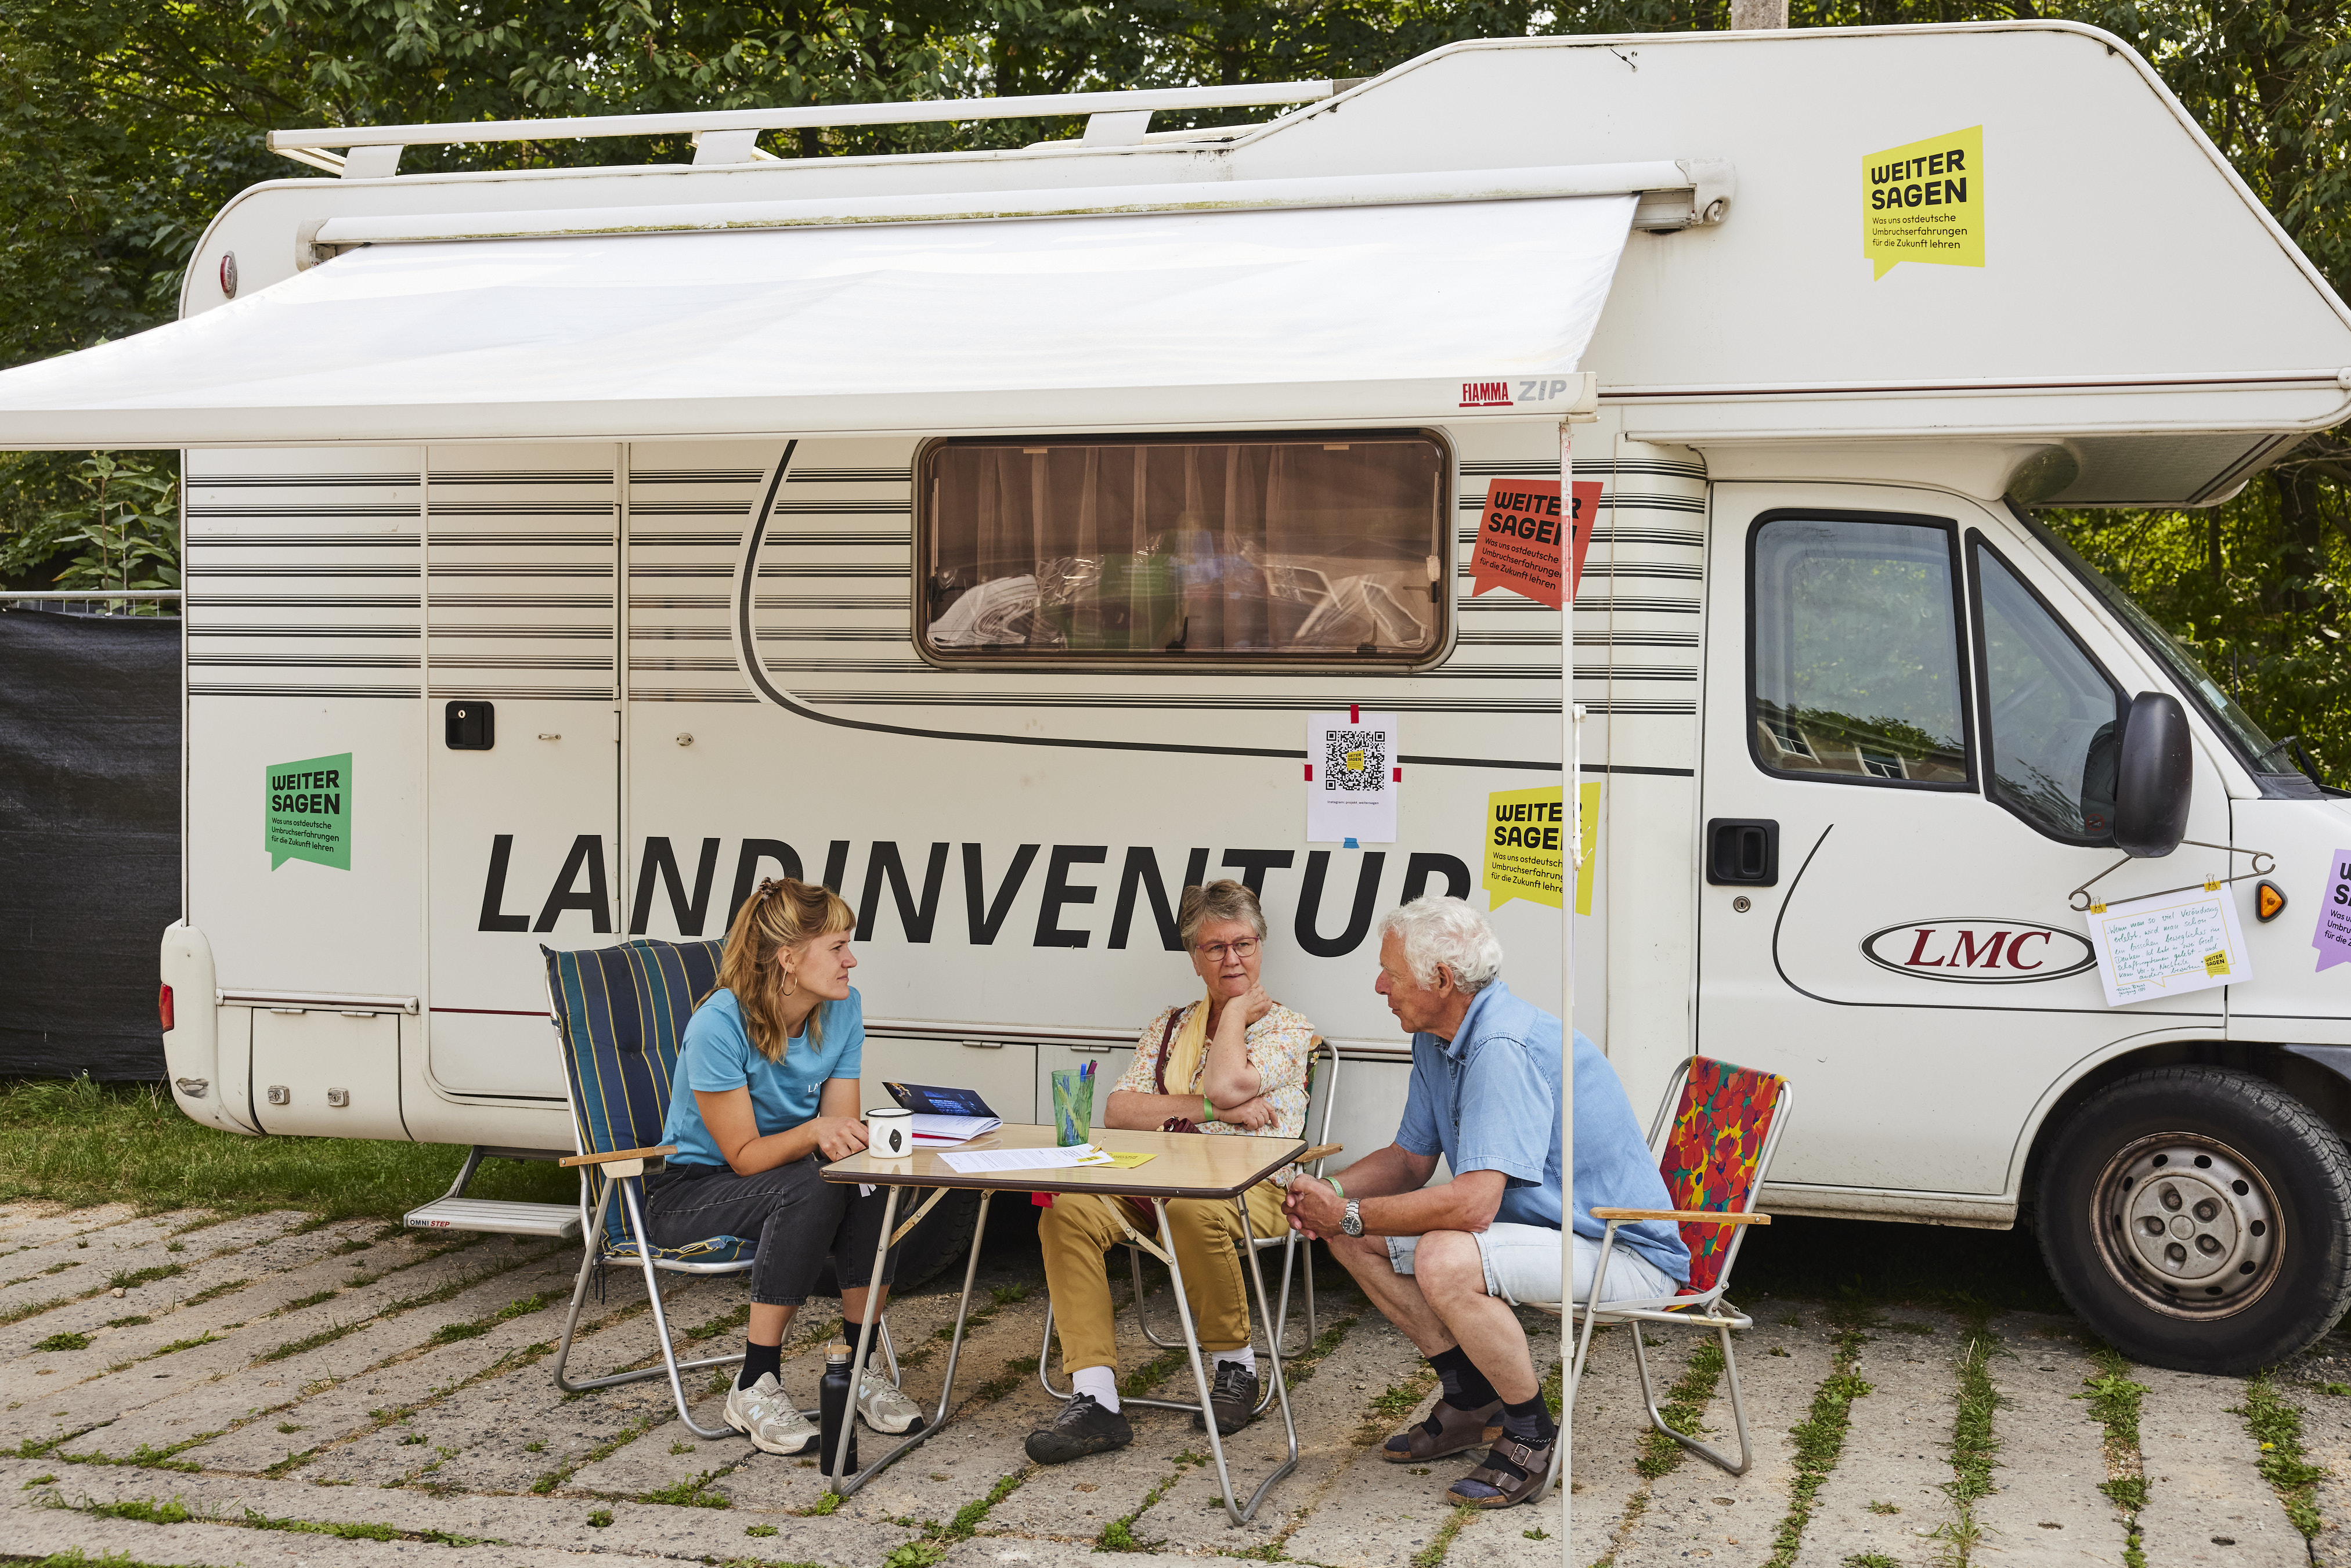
(1185, 1051)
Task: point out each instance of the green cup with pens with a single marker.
(1073, 1105)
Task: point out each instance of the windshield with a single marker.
(2254, 747)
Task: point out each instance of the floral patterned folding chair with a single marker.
(1714, 1137)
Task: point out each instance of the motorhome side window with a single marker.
(2052, 719)
(1855, 656)
(1184, 550)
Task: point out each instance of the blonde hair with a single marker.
(785, 913)
(1218, 901)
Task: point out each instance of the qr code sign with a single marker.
(1355, 759)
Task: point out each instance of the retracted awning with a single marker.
(1424, 311)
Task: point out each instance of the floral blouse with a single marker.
(1281, 1046)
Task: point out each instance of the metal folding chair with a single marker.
(1296, 1250)
(1714, 1137)
(620, 1015)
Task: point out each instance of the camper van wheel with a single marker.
(2199, 1219)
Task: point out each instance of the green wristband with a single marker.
(1337, 1189)
(1208, 1111)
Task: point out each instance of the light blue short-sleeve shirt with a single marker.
(717, 1055)
(1487, 1100)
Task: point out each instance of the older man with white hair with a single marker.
(1447, 1263)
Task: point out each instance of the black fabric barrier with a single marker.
(90, 839)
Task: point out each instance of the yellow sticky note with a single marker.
(1925, 201)
(1524, 834)
(1126, 1160)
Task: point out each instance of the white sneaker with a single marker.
(762, 1413)
(883, 1406)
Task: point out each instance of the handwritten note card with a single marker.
(2169, 945)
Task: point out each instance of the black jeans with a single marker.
(796, 1217)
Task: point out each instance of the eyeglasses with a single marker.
(1244, 949)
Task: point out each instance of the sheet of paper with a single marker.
(2332, 937)
(1353, 777)
(2169, 945)
(976, 1161)
(1127, 1159)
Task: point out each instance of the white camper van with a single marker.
(978, 532)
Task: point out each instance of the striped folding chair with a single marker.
(1714, 1137)
(620, 1013)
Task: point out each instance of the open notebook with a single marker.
(945, 1116)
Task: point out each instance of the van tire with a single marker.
(2199, 1219)
(943, 1237)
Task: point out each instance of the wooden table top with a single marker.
(1188, 1165)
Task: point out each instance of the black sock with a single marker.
(1466, 1388)
(759, 1360)
(1531, 1422)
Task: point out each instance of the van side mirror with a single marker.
(2152, 778)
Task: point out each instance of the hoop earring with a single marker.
(791, 983)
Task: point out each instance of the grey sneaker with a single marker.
(762, 1413)
(1233, 1397)
(885, 1406)
(1083, 1428)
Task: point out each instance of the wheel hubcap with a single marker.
(2188, 1224)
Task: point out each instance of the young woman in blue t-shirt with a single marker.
(767, 1093)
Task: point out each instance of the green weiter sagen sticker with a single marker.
(308, 812)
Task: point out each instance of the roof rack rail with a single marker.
(729, 135)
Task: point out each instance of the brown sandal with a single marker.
(1446, 1432)
(1534, 1458)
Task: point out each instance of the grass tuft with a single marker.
(68, 1341)
(690, 1493)
(1820, 1436)
(84, 1144)
(2114, 1400)
(1974, 1448)
(1430, 1555)
(2276, 1425)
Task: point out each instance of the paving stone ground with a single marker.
(268, 1389)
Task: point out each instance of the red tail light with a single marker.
(163, 1007)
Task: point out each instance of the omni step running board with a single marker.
(556, 1219)
(454, 1211)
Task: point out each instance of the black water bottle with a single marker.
(836, 1401)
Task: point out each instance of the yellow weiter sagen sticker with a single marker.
(1925, 203)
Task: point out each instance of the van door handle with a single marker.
(983, 1045)
(1742, 851)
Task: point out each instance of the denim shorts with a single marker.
(1521, 1264)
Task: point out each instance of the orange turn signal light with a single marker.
(2268, 902)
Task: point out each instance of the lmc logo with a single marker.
(1976, 951)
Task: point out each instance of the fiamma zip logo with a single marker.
(1500, 394)
(1981, 952)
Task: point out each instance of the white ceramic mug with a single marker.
(889, 1133)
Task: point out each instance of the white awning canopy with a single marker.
(1328, 315)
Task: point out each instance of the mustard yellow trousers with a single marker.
(1081, 1227)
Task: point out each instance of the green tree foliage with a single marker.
(129, 122)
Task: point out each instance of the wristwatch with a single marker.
(1353, 1225)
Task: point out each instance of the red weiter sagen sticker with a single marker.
(1519, 538)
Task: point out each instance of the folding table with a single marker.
(1183, 1165)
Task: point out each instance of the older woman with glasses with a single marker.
(1232, 1063)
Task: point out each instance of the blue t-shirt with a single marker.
(1488, 1100)
(717, 1055)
